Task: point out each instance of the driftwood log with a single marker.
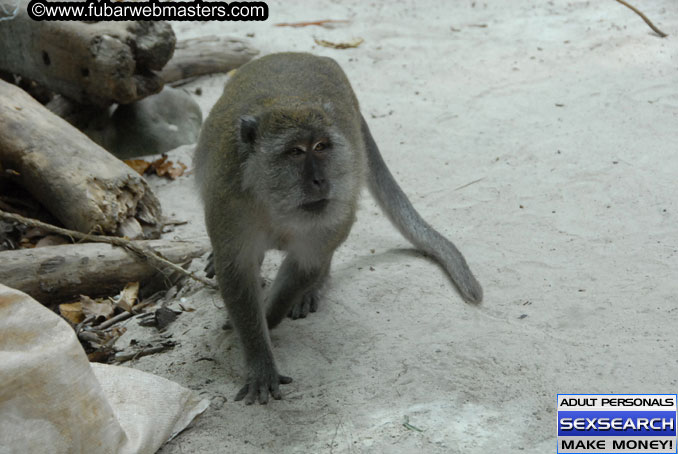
(206, 55)
(80, 183)
(92, 63)
(56, 274)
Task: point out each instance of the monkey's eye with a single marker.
(321, 146)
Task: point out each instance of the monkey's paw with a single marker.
(260, 387)
(308, 303)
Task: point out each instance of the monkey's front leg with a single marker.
(291, 286)
(240, 289)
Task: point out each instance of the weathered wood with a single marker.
(55, 274)
(92, 63)
(206, 55)
(80, 183)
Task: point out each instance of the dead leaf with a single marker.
(99, 309)
(348, 45)
(158, 162)
(176, 171)
(164, 167)
(139, 165)
(161, 167)
(72, 312)
(128, 297)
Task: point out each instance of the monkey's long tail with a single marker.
(402, 214)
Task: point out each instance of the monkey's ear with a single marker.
(248, 129)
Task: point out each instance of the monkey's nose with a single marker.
(320, 185)
(319, 182)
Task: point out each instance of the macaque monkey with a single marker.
(281, 161)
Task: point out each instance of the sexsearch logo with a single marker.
(617, 423)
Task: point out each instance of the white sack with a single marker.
(52, 400)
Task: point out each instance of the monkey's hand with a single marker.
(260, 384)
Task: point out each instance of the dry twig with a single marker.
(130, 245)
(113, 320)
(642, 16)
(355, 42)
(469, 184)
(123, 357)
(320, 23)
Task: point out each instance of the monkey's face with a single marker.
(300, 166)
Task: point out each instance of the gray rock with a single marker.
(155, 124)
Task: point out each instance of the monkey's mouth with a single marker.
(316, 206)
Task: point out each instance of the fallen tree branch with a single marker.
(206, 55)
(90, 62)
(642, 16)
(80, 183)
(51, 258)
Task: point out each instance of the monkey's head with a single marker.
(299, 164)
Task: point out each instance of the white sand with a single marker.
(564, 114)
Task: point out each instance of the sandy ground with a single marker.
(542, 138)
